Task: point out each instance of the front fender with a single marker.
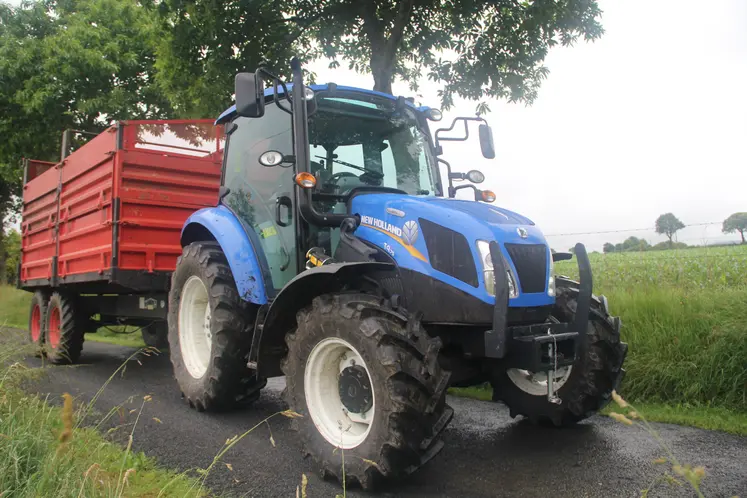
(268, 349)
(241, 254)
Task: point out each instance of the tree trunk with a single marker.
(383, 73)
(741, 232)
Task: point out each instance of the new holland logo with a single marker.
(382, 225)
(410, 232)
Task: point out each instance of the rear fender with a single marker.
(220, 224)
(268, 346)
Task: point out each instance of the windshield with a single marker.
(363, 140)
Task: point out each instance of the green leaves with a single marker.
(71, 64)
(476, 50)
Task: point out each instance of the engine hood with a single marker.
(406, 226)
(485, 212)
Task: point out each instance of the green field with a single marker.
(713, 268)
(684, 318)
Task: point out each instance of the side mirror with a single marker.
(486, 142)
(250, 95)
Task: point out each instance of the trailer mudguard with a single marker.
(268, 344)
(240, 252)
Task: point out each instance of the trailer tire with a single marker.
(63, 335)
(592, 378)
(218, 379)
(156, 335)
(407, 387)
(37, 315)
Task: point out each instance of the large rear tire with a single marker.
(210, 330)
(367, 380)
(63, 337)
(583, 388)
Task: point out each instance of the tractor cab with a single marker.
(357, 141)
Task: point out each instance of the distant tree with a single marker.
(572, 250)
(608, 247)
(665, 246)
(635, 244)
(737, 222)
(668, 224)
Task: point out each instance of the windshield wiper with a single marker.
(355, 166)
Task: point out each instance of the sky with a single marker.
(651, 118)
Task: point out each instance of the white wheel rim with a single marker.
(195, 337)
(535, 383)
(334, 422)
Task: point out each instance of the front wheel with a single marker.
(210, 329)
(368, 382)
(583, 388)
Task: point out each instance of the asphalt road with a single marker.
(486, 453)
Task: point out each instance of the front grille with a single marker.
(449, 252)
(530, 261)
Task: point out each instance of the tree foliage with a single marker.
(12, 248)
(737, 222)
(70, 64)
(668, 224)
(473, 49)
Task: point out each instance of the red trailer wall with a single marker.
(162, 180)
(38, 243)
(85, 228)
(123, 198)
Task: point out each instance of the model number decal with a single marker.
(388, 249)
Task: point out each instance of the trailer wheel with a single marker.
(37, 316)
(210, 330)
(156, 335)
(366, 380)
(585, 387)
(63, 338)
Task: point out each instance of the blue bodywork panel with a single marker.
(241, 254)
(229, 113)
(476, 221)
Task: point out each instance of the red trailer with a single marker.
(101, 228)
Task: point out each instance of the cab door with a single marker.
(262, 197)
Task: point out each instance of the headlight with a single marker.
(483, 248)
(551, 279)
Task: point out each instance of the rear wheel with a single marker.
(37, 317)
(585, 387)
(210, 329)
(367, 380)
(63, 338)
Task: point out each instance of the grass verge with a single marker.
(43, 452)
(132, 339)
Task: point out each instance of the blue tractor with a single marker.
(336, 258)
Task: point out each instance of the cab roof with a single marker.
(229, 113)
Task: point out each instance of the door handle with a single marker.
(286, 202)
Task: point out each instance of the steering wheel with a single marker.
(341, 174)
